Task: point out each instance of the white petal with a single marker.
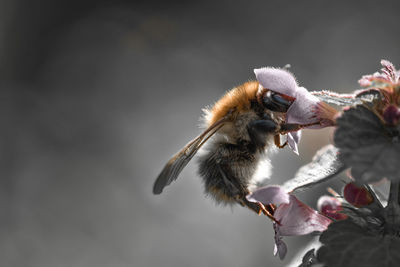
(271, 194)
(293, 139)
(278, 80)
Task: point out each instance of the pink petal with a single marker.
(387, 64)
(390, 71)
(271, 194)
(328, 202)
(365, 81)
(296, 218)
(302, 111)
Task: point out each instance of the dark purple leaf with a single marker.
(348, 244)
(369, 147)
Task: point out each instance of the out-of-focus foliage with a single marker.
(367, 146)
(347, 244)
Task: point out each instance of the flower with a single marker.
(368, 134)
(331, 207)
(388, 75)
(297, 218)
(292, 217)
(306, 110)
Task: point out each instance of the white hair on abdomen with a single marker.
(262, 173)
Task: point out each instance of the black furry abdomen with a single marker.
(227, 170)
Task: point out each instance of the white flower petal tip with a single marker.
(271, 194)
(280, 247)
(275, 79)
(293, 140)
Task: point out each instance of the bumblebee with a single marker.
(240, 127)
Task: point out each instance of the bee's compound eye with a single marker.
(280, 100)
(276, 101)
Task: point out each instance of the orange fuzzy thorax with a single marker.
(236, 100)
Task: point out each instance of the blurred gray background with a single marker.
(96, 96)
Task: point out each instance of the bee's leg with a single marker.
(259, 208)
(258, 129)
(277, 140)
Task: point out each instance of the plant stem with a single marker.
(394, 193)
(392, 210)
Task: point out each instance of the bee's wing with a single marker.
(176, 164)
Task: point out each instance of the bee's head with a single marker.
(275, 101)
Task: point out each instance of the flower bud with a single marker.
(357, 196)
(391, 115)
(331, 207)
